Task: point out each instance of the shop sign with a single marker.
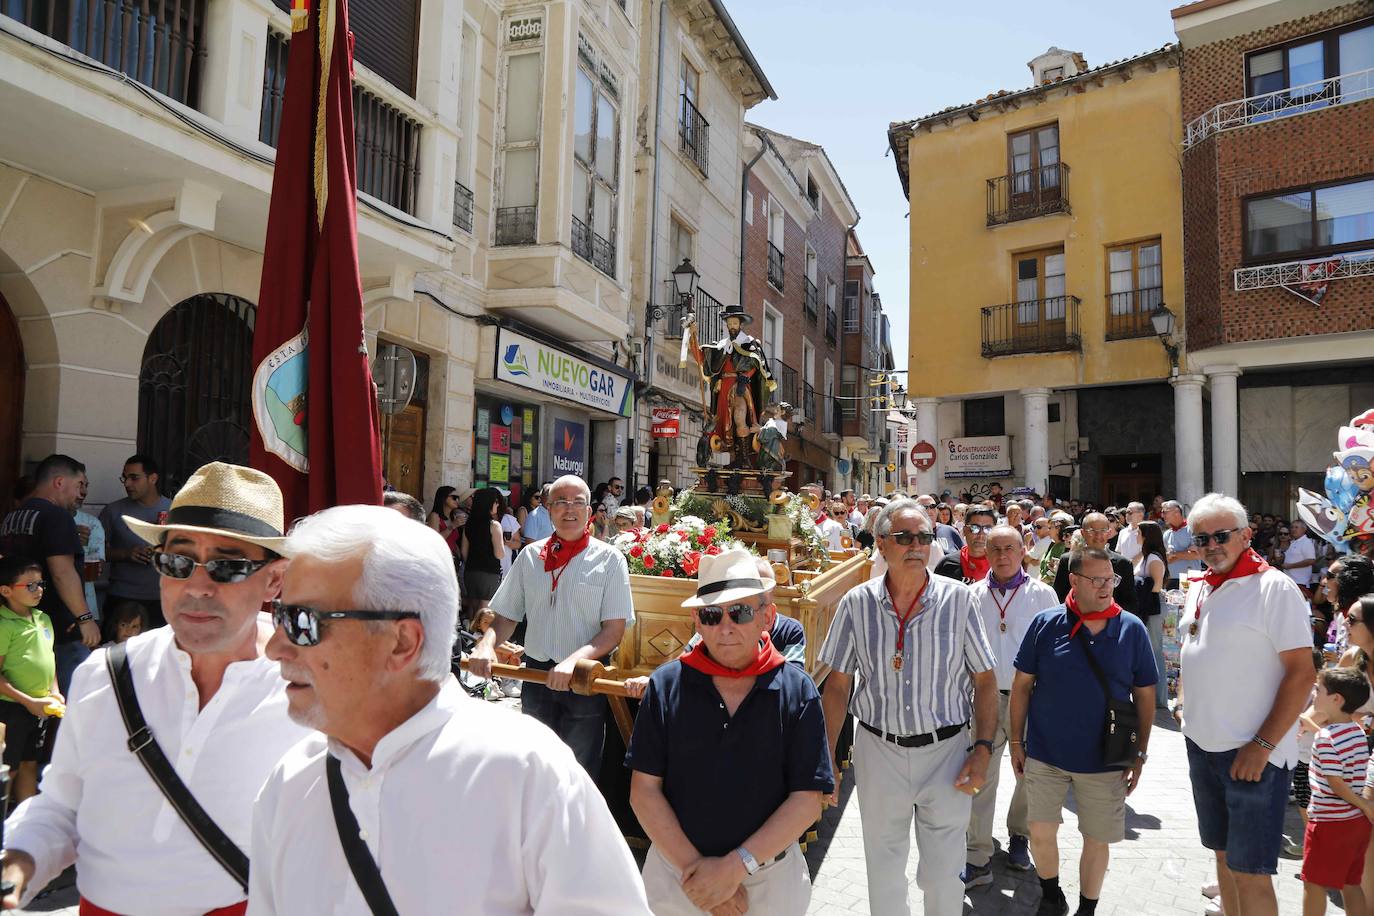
(666, 422)
(569, 441)
(981, 456)
(923, 455)
(528, 363)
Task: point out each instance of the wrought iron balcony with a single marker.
(786, 377)
(694, 135)
(159, 43)
(1033, 326)
(589, 246)
(710, 324)
(775, 264)
(1295, 100)
(1128, 313)
(515, 225)
(832, 323)
(811, 297)
(462, 206)
(807, 403)
(1023, 195)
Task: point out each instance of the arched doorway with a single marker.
(193, 387)
(11, 401)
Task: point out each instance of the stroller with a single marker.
(476, 687)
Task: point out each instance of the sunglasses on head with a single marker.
(225, 572)
(302, 623)
(713, 614)
(906, 537)
(1221, 537)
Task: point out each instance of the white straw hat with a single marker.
(725, 577)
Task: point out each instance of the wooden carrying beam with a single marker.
(588, 679)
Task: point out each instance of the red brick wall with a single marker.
(1305, 149)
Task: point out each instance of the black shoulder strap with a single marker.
(360, 861)
(149, 753)
(1092, 661)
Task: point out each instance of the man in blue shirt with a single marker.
(1058, 719)
(730, 759)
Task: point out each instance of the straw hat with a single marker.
(224, 499)
(727, 576)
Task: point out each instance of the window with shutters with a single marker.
(518, 154)
(385, 38)
(596, 152)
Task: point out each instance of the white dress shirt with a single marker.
(1032, 597)
(1128, 543)
(467, 809)
(100, 809)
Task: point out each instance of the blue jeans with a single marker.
(580, 721)
(1242, 819)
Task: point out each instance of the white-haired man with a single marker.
(1246, 673)
(573, 592)
(364, 634)
(1128, 541)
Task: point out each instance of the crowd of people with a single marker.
(327, 741)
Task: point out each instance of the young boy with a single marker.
(1338, 819)
(28, 672)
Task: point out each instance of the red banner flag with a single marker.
(315, 424)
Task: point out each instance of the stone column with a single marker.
(1225, 430)
(926, 429)
(1035, 401)
(1188, 437)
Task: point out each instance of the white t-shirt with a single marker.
(1301, 550)
(509, 525)
(856, 518)
(1128, 543)
(1230, 671)
(832, 531)
(1022, 604)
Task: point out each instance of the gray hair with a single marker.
(1218, 504)
(1170, 504)
(1135, 507)
(882, 525)
(406, 567)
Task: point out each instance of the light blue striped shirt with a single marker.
(945, 644)
(593, 587)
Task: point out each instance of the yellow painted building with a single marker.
(1046, 229)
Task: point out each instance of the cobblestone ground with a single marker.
(1156, 871)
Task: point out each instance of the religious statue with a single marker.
(735, 373)
(772, 438)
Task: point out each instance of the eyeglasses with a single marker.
(225, 572)
(568, 504)
(1221, 537)
(33, 587)
(979, 529)
(713, 614)
(1100, 581)
(1099, 529)
(301, 623)
(906, 537)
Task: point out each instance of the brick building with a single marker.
(1278, 209)
(797, 217)
(866, 355)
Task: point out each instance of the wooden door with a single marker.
(1120, 489)
(1040, 298)
(11, 401)
(403, 450)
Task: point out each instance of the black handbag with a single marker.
(1121, 737)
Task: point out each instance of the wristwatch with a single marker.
(1142, 756)
(751, 864)
(984, 742)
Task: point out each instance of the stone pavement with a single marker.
(1156, 871)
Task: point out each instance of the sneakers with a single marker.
(493, 691)
(1291, 849)
(1211, 890)
(1018, 853)
(1053, 906)
(510, 687)
(976, 875)
(1213, 907)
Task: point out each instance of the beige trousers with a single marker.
(780, 889)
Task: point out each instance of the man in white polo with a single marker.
(1128, 542)
(1299, 557)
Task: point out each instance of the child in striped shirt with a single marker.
(1338, 818)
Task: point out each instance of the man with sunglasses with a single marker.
(925, 668)
(945, 535)
(1097, 531)
(1245, 674)
(729, 759)
(213, 705)
(364, 637)
(968, 563)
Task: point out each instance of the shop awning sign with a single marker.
(978, 456)
(666, 420)
(531, 364)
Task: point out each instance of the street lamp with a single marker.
(1163, 321)
(685, 280)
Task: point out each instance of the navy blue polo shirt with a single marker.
(1068, 710)
(725, 776)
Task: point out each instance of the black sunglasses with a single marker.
(906, 537)
(225, 572)
(301, 623)
(713, 614)
(1221, 537)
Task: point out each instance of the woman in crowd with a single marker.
(510, 531)
(441, 514)
(1049, 560)
(603, 527)
(483, 547)
(1151, 569)
(944, 515)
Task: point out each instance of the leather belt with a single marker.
(940, 734)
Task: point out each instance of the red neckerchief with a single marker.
(1182, 524)
(975, 568)
(765, 660)
(822, 519)
(902, 619)
(1247, 564)
(1072, 604)
(558, 553)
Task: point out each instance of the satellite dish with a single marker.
(394, 372)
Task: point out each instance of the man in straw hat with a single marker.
(364, 638)
(215, 713)
(729, 758)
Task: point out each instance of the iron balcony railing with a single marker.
(807, 403)
(786, 378)
(462, 206)
(710, 324)
(1298, 273)
(851, 316)
(159, 43)
(1033, 326)
(1128, 312)
(273, 87)
(589, 246)
(515, 225)
(775, 264)
(1022, 195)
(1295, 100)
(832, 324)
(811, 297)
(694, 135)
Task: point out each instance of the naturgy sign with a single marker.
(524, 361)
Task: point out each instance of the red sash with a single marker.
(236, 909)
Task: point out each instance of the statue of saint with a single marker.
(735, 372)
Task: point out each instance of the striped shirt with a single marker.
(593, 587)
(944, 645)
(1339, 750)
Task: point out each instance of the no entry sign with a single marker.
(923, 455)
